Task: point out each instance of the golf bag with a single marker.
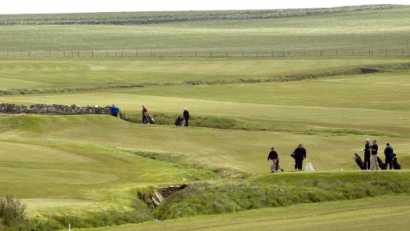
(178, 121)
(309, 167)
(275, 167)
(358, 160)
(148, 119)
(396, 164)
(151, 119)
(382, 165)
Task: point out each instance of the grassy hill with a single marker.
(384, 28)
(166, 17)
(90, 170)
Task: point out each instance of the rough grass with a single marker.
(378, 214)
(280, 190)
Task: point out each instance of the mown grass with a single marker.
(250, 118)
(53, 76)
(65, 181)
(342, 105)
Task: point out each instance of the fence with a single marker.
(97, 53)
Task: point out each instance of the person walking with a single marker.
(186, 116)
(114, 110)
(274, 157)
(374, 165)
(389, 155)
(299, 155)
(146, 117)
(367, 155)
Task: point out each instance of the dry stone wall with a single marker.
(53, 109)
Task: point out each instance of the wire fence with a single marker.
(99, 53)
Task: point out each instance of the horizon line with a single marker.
(195, 10)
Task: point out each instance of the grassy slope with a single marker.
(89, 73)
(390, 212)
(366, 29)
(57, 174)
(366, 101)
(241, 150)
(173, 16)
(87, 162)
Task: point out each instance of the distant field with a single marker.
(376, 29)
(166, 17)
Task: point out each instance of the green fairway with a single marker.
(97, 170)
(59, 160)
(347, 104)
(61, 74)
(377, 214)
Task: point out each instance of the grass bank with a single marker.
(377, 214)
(281, 190)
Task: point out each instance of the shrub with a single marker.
(12, 212)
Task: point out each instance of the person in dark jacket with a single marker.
(367, 155)
(186, 116)
(114, 110)
(299, 155)
(274, 157)
(389, 155)
(374, 148)
(144, 114)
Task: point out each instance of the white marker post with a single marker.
(69, 227)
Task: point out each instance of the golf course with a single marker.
(326, 78)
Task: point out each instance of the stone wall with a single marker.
(53, 109)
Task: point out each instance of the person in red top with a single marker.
(146, 117)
